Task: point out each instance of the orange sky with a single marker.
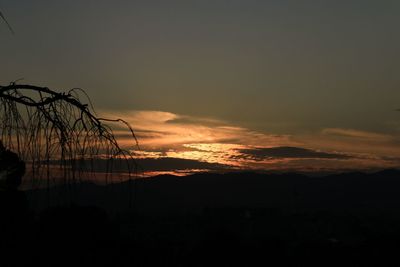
(168, 135)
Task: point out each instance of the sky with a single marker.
(303, 85)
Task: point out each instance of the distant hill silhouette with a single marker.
(208, 219)
(356, 192)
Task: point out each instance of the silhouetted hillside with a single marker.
(355, 192)
(235, 219)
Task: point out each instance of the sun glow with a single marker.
(211, 152)
(165, 135)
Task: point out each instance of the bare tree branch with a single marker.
(44, 126)
(8, 24)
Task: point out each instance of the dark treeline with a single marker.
(231, 219)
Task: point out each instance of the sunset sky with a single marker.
(224, 85)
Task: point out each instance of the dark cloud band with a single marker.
(289, 152)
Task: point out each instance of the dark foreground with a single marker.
(242, 219)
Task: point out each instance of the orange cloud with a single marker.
(168, 135)
(165, 129)
(364, 143)
(351, 133)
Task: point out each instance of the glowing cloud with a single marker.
(157, 129)
(165, 135)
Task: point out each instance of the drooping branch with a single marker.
(6, 21)
(44, 126)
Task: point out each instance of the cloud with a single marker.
(353, 141)
(178, 141)
(166, 129)
(167, 164)
(351, 133)
(147, 165)
(289, 153)
(181, 119)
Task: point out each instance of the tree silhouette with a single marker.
(47, 128)
(5, 20)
